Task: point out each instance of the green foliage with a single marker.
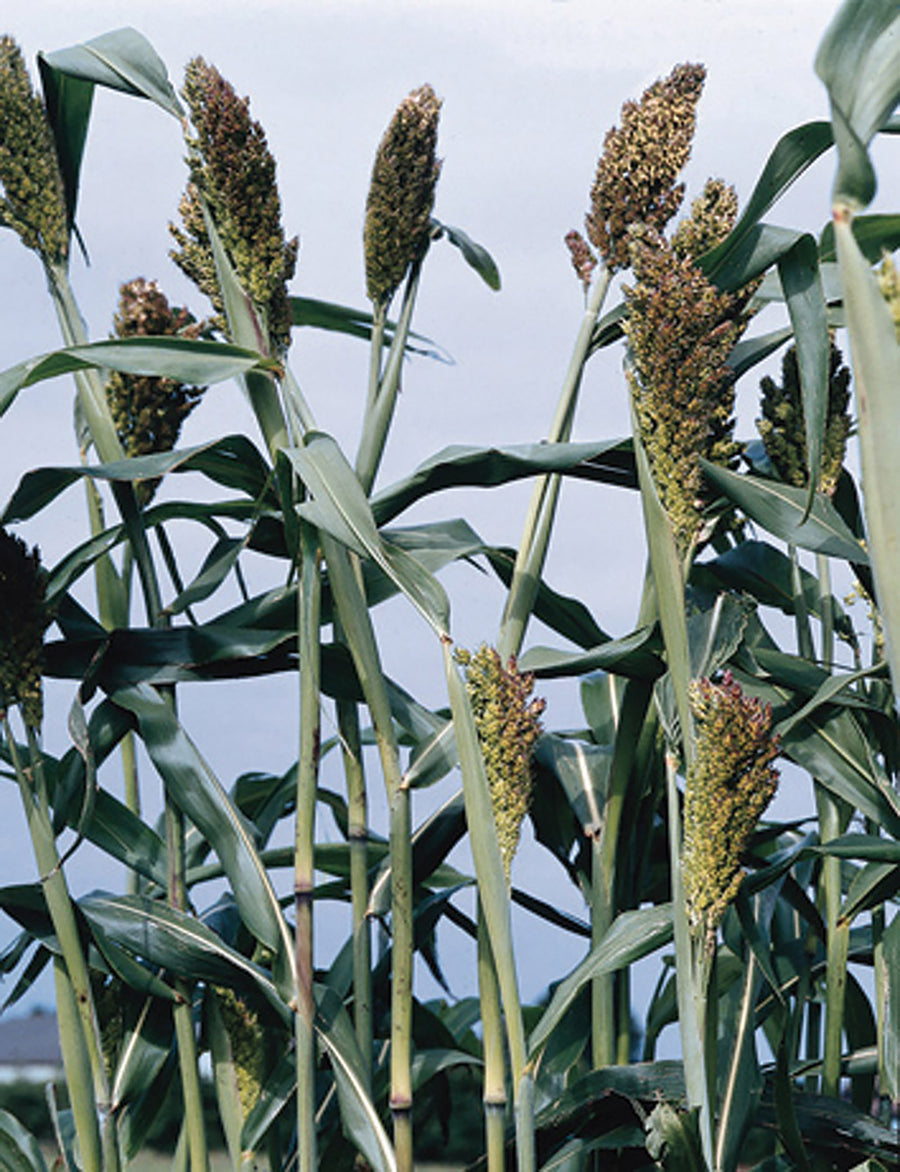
(776, 926)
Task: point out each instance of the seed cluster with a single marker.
(32, 199)
(508, 725)
(640, 161)
(148, 412)
(247, 1046)
(583, 260)
(729, 785)
(401, 194)
(889, 283)
(680, 330)
(24, 616)
(782, 426)
(232, 169)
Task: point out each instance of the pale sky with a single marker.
(529, 89)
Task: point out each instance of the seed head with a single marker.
(889, 283)
(32, 199)
(247, 1045)
(508, 725)
(712, 216)
(641, 159)
(401, 194)
(782, 428)
(583, 260)
(232, 168)
(728, 786)
(148, 412)
(24, 616)
(680, 330)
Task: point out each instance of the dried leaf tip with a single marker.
(782, 426)
(148, 412)
(728, 787)
(508, 725)
(32, 199)
(401, 194)
(232, 169)
(641, 159)
(24, 617)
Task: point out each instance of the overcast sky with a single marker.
(529, 89)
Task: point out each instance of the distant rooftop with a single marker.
(29, 1041)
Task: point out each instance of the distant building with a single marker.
(29, 1048)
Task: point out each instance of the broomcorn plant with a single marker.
(232, 171)
(508, 725)
(729, 785)
(24, 617)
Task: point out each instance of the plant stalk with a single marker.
(533, 545)
(494, 1056)
(304, 847)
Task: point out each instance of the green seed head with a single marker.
(889, 282)
(401, 194)
(24, 616)
(232, 169)
(728, 787)
(641, 159)
(508, 725)
(247, 1046)
(32, 200)
(782, 427)
(148, 412)
(680, 331)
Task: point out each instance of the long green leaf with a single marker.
(340, 507)
(122, 60)
(793, 153)
(798, 270)
(472, 466)
(859, 62)
(184, 359)
(197, 791)
(876, 370)
(19, 1150)
(631, 936)
(781, 510)
(68, 102)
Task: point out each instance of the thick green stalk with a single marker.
(358, 835)
(494, 1056)
(401, 1098)
(605, 1033)
(182, 1011)
(79, 1030)
(304, 848)
(380, 409)
(77, 1067)
(532, 552)
(833, 816)
(357, 626)
(689, 986)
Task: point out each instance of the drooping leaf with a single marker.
(339, 506)
(122, 60)
(185, 359)
(193, 786)
(68, 102)
(859, 62)
(876, 376)
(631, 935)
(19, 1150)
(781, 509)
(464, 466)
(798, 270)
(357, 323)
(476, 255)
